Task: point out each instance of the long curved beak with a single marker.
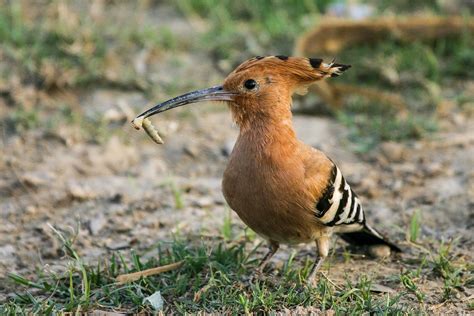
(217, 93)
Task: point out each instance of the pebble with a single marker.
(433, 169)
(392, 151)
(117, 245)
(7, 251)
(379, 251)
(80, 192)
(96, 224)
(36, 178)
(204, 201)
(370, 186)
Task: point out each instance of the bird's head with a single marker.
(260, 87)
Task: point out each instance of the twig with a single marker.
(330, 281)
(130, 277)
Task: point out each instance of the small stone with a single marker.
(31, 210)
(392, 151)
(7, 251)
(36, 178)
(80, 192)
(204, 201)
(115, 115)
(117, 244)
(370, 186)
(123, 226)
(95, 225)
(379, 251)
(433, 169)
(7, 227)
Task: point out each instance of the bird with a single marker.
(284, 190)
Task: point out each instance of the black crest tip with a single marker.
(315, 62)
(341, 67)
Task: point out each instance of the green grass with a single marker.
(408, 281)
(369, 126)
(55, 53)
(77, 50)
(217, 278)
(414, 228)
(452, 275)
(177, 195)
(226, 230)
(21, 120)
(417, 71)
(32, 47)
(243, 28)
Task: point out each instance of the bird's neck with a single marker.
(268, 136)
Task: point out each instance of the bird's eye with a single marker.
(250, 84)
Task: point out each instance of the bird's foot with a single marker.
(259, 276)
(312, 280)
(312, 277)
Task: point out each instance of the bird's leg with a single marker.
(314, 270)
(323, 250)
(273, 249)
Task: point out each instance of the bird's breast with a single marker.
(268, 193)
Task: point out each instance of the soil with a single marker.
(120, 194)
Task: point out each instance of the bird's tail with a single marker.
(368, 236)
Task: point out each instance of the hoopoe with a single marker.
(284, 190)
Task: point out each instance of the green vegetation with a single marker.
(451, 274)
(21, 120)
(217, 276)
(416, 71)
(414, 229)
(226, 229)
(258, 26)
(407, 279)
(41, 50)
(81, 51)
(367, 129)
(73, 49)
(177, 195)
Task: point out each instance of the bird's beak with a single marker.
(217, 93)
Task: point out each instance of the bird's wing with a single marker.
(336, 204)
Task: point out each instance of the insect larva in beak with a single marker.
(152, 132)
(149, 129)
(137, 122)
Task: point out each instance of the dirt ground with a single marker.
(123, 193)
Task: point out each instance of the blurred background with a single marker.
(74, 73)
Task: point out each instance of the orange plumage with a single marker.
(286, 191)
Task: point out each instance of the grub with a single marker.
(149, 129)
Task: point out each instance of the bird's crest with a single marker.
(299, 71)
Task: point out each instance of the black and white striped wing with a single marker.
(339, 205)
